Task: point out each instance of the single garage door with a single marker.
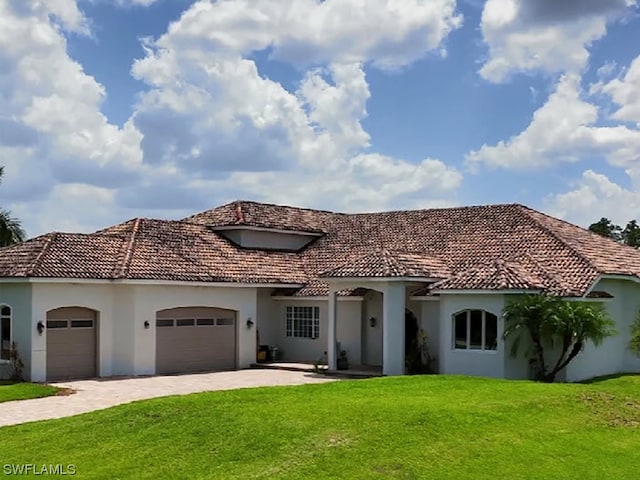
(71, 343)
(195, 339)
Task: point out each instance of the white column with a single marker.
(393, 305)
(332, 314)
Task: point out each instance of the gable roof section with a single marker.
(150, 250)
(495, 247)
(263, 215)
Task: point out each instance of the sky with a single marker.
(115, 109)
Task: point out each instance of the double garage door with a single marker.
(195, 339)
(71, 343)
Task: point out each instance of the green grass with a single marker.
(441, 427)
(23, 391)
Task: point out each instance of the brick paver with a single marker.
(97, 394)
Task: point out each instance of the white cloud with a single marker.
(564, 129)
(625, 92)
(53, 130)
(596, 196)
(389, 33)
(548, 36)
(212, 127)
(210, 113)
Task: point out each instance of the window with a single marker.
(81, 323)
(205, 322)
(185, 322)
(224, 321)
(57, 324)
(164, 322)
(5, 333)
(303, 322)
(475, 330)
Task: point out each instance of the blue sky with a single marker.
(117, 109)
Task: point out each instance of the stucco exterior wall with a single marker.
(268, 326)
(151, 298)
(96, 297)
(430, 323)
(612, 356)
(372, 336)
(18, 296)
(125, 346)
(349, 323)
(631, 362)
(470, 362)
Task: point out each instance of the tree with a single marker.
(631, 234)
(634, 342)
(10, 229)
(606, 228)
(549, 321)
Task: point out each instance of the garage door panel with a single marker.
(205, 347)
(71, 352)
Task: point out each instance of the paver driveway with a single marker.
(104, 393)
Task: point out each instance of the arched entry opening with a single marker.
(71, 343)
(413, 355)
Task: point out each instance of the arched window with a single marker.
(475, 330)
(5, 332)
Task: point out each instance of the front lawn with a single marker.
(23, 391)
(441, 427)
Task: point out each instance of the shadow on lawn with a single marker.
(604, 378)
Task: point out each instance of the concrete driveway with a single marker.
(97, 394)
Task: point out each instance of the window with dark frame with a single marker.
(475, 330)
(5, 332)
(303, 322)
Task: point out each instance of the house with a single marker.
(202, 293)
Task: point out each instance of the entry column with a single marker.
(393, 312)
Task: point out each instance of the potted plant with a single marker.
(343, 361)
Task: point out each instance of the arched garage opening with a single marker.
(71, 343)
(195, 339)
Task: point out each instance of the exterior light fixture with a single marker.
(249, 322)
(40, 327)
(372, 321)
(146, 324)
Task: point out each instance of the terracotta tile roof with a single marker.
(382, 263)
(151, 250)
(265, 215)
(496, 275)
(495, 246)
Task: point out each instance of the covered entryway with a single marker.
(71, 343)
(195, 339)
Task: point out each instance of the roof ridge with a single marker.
(554, 235)
(128, 254)
(51, 237)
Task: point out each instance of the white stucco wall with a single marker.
(372, 336)
(613, 355)
(348, 330)
(268, 320)
(97, 297)
(430, 323)
(125, 346)
(631, 362)
(18, 297)
(470, 362)
(151, 298)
